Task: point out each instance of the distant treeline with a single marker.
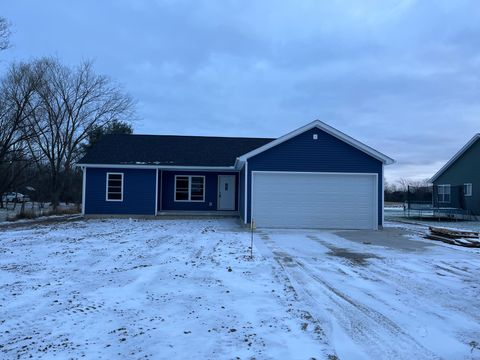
(397, 192)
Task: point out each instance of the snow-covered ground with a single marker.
(183, 289)
(397, 214)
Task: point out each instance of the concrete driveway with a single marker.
(381, 295)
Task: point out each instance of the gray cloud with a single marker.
(402, 76)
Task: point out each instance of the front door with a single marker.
(226, 192)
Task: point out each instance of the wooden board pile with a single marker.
(454, 237)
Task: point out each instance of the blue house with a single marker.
(313, 177)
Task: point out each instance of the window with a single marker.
(114, 186)
(467, 189)
(189, 188)
(182, 192)
(444, 193)
(196, 188)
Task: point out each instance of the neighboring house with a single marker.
(313, 177)
(457, 183)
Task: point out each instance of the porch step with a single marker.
(174, 213)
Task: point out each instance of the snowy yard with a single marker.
(187, 289)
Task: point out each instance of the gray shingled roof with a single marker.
(170, 150)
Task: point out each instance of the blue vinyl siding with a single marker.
(211, 191)
(326, 154)
(138, 192)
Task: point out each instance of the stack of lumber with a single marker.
(454, 237)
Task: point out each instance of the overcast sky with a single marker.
(400, 76)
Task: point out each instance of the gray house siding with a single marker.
(326, 154)
(466, 169)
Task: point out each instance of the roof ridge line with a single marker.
(195, 136)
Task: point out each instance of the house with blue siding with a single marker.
(313, 177)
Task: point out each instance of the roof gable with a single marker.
(455, 157)
(329, 130)
(198, 151)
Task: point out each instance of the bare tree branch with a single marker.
(71, 103)
(17, 89)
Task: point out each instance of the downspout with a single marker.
(383, 194)
(246, 192)
(156, 193)
(84, 186)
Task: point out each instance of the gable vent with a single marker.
(315, 136)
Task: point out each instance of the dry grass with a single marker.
(30, 214)
(26, 214)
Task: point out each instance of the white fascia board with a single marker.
(329, 130)
(455, 157)
(138, 166)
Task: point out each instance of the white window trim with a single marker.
(444, 186)
(189, 188)
(106, 186)
(469, 187)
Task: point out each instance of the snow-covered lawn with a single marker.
(134, 289)
(186, 289)
(397, 214)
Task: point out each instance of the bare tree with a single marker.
(71, 102)
(4, 34)
(404, 183)
(17, 89)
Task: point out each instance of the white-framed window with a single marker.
(467, 189)
(190, 188)
(444, 193)
(114, 191)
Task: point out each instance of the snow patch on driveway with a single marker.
(380, 302)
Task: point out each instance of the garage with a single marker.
(315, 200)
(313, 177)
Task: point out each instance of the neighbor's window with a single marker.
(189, 188)
(467, 189)
(114, 186)
(444, 193)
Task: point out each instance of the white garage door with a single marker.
(318, 200)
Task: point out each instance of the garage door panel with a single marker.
(314, 200)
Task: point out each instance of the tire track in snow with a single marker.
(368, 329)
(369, 324)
